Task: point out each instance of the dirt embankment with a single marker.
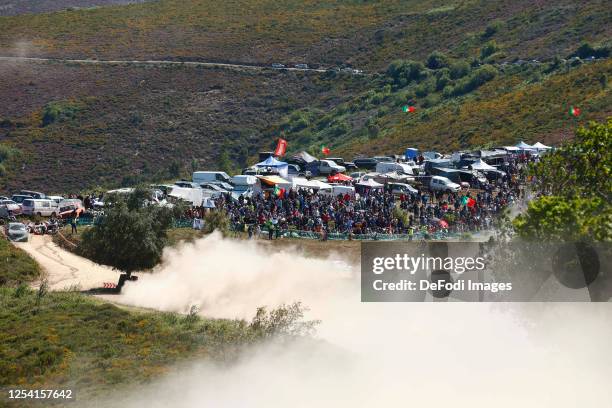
(63, 269)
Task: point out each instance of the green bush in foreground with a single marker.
(576, 183)
(15, 265)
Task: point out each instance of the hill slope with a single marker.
(65, 127)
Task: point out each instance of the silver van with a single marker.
(42, 207)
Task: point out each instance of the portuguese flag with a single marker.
(325, 150)
(279, 192)
(574, 111)
(408, 109)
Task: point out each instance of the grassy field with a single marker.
(16, 266)
(72, 340)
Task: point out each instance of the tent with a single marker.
(304, 157)
(339, 177)
(320, 185)
(271, 162)
(541, 146)
(411, 153)
(481, 165)
(370, 183)
(524, 146)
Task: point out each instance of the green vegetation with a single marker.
(16, 266)
(131, 235)
(124, 125)
(577, 183)
(60, 339)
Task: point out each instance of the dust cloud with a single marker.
(384, 354)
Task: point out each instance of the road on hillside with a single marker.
(63, 269)
(159, 63)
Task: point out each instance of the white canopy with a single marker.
(320, 185)
(480, 165)
(523, 146)
(541, 146)
(370, 183)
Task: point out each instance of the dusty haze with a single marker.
(393, 354)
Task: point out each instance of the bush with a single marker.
(402, 72)
(489, 49)
(437, 60)
(56, 111)
(459, 69)
(475, 80)
(217, 220)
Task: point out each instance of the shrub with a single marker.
(489, 49)
(437, 60)
(459, 69)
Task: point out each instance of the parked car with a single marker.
(200, 177)
(223, 185)
(367, 163)
(213, 191)
(57, 199)
(33, 194)
(276, 65)
(329, 167)
(385, 159)
(68, 205)
(301, 66)
(18, 232)
(18, 198)
(41, 207)
(12, 207)
(401, 188)
(439, 183)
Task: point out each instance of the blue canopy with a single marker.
(271, 162)
(411, 153)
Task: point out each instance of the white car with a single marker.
(12, 207)
(439, 183)
(329, 167)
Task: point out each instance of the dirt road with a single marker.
(63, 269)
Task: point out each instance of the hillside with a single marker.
(14, 7)
(66, 127)
(366, 34)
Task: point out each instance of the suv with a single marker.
(439, 183)
(365, 163)
(329, 167)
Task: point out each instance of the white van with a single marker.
(388, 167)
(39, 206)
(200, 177)
(439, 183)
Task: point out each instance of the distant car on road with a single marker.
(301, 66)
(276, 65)
(18, 232)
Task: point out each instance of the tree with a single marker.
(132, 233)
(576, 187)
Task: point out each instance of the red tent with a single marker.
(339, 177)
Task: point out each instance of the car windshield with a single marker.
(17, 227)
